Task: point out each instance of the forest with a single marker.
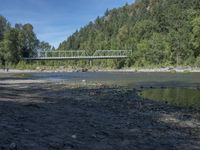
(159, 32)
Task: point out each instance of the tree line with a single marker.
(160, 33)
(18, 42)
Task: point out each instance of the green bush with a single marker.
(197, 63)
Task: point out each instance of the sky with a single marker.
(55, 20)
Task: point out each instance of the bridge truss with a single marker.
(81, 54)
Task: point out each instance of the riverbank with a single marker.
(167, 69)
(53, 116)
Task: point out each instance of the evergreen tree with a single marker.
(158, 31)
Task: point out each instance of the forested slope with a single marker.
(160, 32)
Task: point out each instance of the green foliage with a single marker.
(160, 33)
(9, 47)
(4, 26)
(196, 35)
(27, 40)
(154, 51)
(197, 63)
(18, 42)
(44, 46)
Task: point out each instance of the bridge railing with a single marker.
(59, 54)
(112, 53)
(81, 54)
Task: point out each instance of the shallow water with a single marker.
(187, 97)
(129, 79)
(175, 88)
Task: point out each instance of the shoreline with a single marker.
(142, 70)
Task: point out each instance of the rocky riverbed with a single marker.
(51, 116)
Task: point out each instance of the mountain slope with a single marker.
(160, 32)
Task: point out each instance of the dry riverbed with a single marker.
(50, 116)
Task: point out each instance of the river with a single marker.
(180, 89)
(129, 79)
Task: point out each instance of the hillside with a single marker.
(160, 32)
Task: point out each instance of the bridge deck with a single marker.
(76, 58)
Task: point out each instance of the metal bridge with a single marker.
(81, 54)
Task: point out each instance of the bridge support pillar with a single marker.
(90, 61)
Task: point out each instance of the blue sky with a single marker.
(55, 20)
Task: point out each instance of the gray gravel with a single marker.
(58, 117)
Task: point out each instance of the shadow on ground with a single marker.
(58, 117)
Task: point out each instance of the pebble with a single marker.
(74, 136)
(12, 146)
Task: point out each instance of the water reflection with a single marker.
(177, 96)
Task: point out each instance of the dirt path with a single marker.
(57, 117)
